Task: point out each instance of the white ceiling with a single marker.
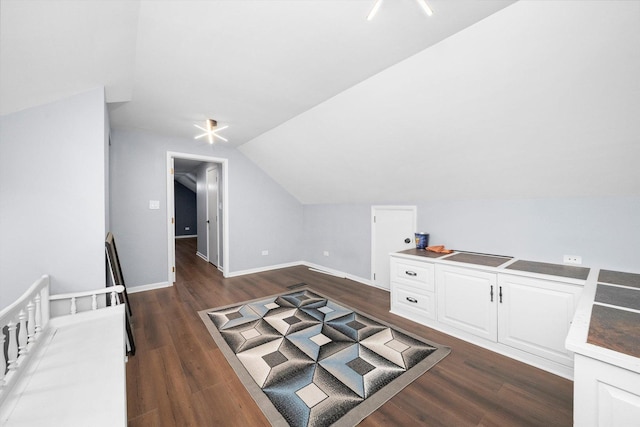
(251, 65)
(540, 99)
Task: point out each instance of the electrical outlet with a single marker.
(572, 259)
(265, 252)
(325, 253)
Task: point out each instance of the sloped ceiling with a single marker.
(539, 100)
(53, 49)
(249, 64)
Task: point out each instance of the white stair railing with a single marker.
(23, 321)
(73, 297)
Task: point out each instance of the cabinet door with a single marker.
(465, 300)
(535, 315)
(605, 395)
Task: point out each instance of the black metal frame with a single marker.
(115, 277)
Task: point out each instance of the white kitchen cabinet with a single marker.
(519, 314)
(605, 395)
(412, 289)
(467, 300)
(534, 315)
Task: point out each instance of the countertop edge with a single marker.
(579, 331)
(499, 269)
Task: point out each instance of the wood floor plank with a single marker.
(179, 377)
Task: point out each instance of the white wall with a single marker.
(262, 216)
(342, 230)
(604, 231)
(52, 196)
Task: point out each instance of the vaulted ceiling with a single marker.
(486, 98)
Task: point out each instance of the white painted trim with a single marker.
(187, 236)
(337, 273)
(208, 214)
(263, 269)
(171, 228)
(202, 256)
(316, 267)
(149, 287)
(224, 163)
(374, 209)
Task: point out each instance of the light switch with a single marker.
(154, 204)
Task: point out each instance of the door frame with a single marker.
(171, 233)
(217, 260)
(375, 208)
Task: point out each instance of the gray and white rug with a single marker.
(310, 361)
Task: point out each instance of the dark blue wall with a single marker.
(185, 205)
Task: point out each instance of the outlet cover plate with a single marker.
(572, 259)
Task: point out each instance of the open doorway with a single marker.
(213, 242)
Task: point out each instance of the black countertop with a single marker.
(561, 270)
(422, 252)
(479, 259)
(613, 324)
(619, 278)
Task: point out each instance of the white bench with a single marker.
(67, 370)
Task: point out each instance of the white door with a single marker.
(212, 216)
(392, 230)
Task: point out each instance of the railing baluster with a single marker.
(31, 323)
(114, 298)
(94, 302)
(38, 325)
(22, 333)
(73, 305)
(12, 350)
(3, 361)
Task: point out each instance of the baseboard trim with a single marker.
(263, 269)
(149, 287)
(337, 273)
(187, 236)
(202, 256)
(315, 267)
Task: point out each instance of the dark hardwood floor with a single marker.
(179, 377)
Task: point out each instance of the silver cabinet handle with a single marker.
(413, 300)
(410, 273)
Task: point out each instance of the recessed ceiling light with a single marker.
(211, 131)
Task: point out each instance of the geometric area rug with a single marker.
(310, 361)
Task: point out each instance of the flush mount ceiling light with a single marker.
(423, 4)
(211, 131)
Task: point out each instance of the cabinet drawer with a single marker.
(407, 299)
(414, 273)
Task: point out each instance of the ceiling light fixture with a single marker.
(211, 131)
(423, 4)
